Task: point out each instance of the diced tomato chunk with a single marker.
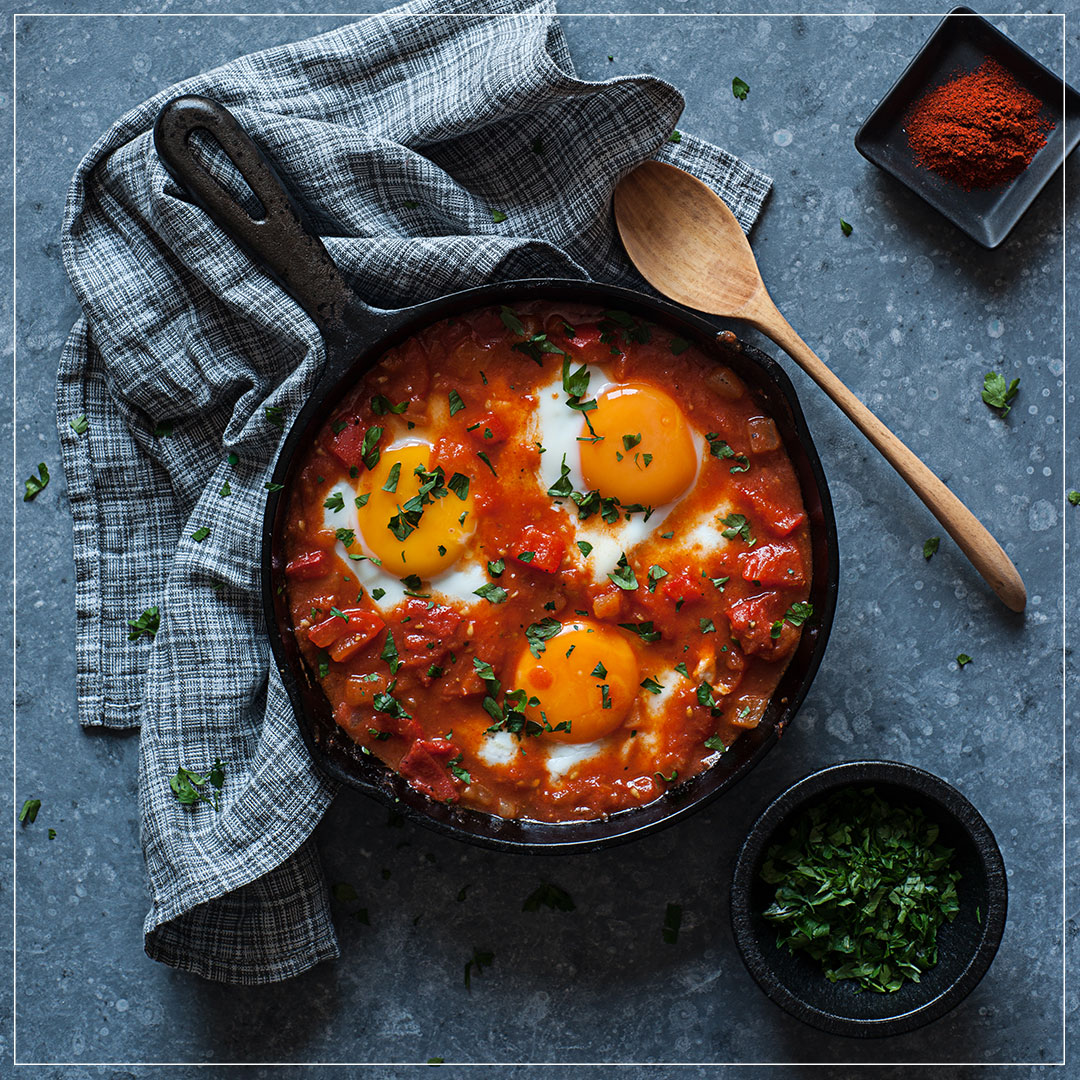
(359, 623)
(586, 334)
(752, 621)
(773, 499)
(309, 566)
(773, 564)
(427, 774)
(547, 549)
(403, 726)
(347, 445)
(683, 585)
(490, 431)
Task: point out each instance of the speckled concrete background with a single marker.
(910, 314)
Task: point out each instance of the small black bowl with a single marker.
(966, 946)
(961, 41)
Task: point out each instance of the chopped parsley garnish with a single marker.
(678, 345)
(456, 768)
(335, 502)
(536, 634)
(714, 742)
(652, 686)
(492, 593)
(163, 430)
(644, 630)
(369, 450)
(963, 659)
(346, 536)
(549, 896)
(576, 386)
(29, 812)
(480, 959)
(623, 574)
(672, 919)
(381, 405)
(525, 556)
(707, 626)
(599, 672)
(929, 549)
(387, 703)
(389, 651)
(273, 487)
(79, 425)
(324, 664)
(497, 567)
(681, 669)
(487, 461)
(412, 581)
(720, 449)
(740, 88)
(338, 426)
(584, 547)
(456, 404)
(656, 574)
(377, 593)
(201, 533)
(147, 623)
(997, 393)
(190, 787)
(668, 779)
(706, 695)
(605, 696)
(392, 480)
(845, 228)
(630, 441)
(737, 525)
(459, 485)
(799, 612)
(862, 887)
(337, 613)
(37, 484)
(512, 322)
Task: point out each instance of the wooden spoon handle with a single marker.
(958, 521)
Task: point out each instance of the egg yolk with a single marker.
(587, 676)
(647, 454)
(436, 541)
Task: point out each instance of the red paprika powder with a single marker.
(979, 129)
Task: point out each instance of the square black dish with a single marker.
(961, 41)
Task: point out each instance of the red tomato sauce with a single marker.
(466, 676)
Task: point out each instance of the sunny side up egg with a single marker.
(543, 561)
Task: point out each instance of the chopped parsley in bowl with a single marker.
(869, 898)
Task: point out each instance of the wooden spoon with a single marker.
(687, 244)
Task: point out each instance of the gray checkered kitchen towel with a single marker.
(400, 134)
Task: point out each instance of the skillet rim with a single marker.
(359, 350)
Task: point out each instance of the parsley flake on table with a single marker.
(740, 88)
(37, 484)
(201, 533)
(497, 217)
(480, 960)
(275, 414)
(226, 489)
(163, 431)
(29, 812)
(997, 393)
(273, 487)
(1073, 497)
(862, 887)
(929, 549)
(675, 136)
(147, 623)
(549, 896)
(189, 787)
(845, 228)
(79, 425)
(672, 922)
(963, 659)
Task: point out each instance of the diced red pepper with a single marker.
(490, 431)
(585, 335)
(360, 623)
(309, 566)
(427, 774)
(347, 445)
(438, 626)
(547, 549)
(403, 726)
(773, 564)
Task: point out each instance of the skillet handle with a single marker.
(278, 241)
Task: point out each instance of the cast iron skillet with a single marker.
(356, 337)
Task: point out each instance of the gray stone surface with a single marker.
(909, 313)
